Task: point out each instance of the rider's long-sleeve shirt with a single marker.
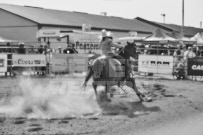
(106, 45)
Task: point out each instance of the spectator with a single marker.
(36, 50)
(178, 54)
(41, 49)
(184, 48)
(21, 49)
(180, 69)
(48, 56)
(180, 64)
(145, 51)
(189, 53)
(31, 50)
(45, 49)
(8, 45)
(199, 51)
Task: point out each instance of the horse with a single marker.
(108, 71)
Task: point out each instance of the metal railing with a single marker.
(150, 51)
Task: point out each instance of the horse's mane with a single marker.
(122, 51)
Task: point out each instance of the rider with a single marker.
(106, 45)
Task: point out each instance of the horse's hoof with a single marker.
(141, 95)
(147, 99)
(108, 100)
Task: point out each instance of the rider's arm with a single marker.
(115, 45)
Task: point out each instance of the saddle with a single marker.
(116, 69)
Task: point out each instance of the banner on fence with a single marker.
(59, 65)
(3, 63)
(69, 63)
(155, 64)
(195, 66)
(29, 60)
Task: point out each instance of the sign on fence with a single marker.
(29, 60)
(59, 65)
(155, 64)
(69, 63)
(195, 66)
(3, 63)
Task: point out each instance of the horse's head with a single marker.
(129, 50)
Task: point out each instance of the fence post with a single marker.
(9, 63)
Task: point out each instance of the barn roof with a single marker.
(67, 18)
(188, 31)
(76, 19)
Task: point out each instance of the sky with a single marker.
(148, 9)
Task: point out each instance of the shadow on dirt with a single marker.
(122, 106)
(157, 91)
(140, 109)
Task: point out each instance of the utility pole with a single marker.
(163, 17)
(182, 28)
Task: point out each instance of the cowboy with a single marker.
(106, 45)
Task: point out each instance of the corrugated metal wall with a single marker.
(17, 28)
(21, 29)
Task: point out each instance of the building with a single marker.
(188, 31)
(22, 23)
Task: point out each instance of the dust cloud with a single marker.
(56, 98)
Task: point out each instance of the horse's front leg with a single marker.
(132, 82)
(95, 88)
(107, 88)
(139, 94)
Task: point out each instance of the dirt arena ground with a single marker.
(58, 105)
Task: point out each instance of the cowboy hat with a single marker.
(106, 33)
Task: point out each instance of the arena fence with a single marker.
(169, 66)
(59, 63)
(35, 64)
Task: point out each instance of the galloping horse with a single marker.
(108, 71)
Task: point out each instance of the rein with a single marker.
(122, 50)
